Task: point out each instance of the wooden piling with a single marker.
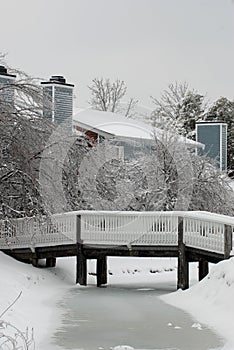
(81, 266)
(227, 241)
(81, 261)
(183, 265)
(51, 262)
(203, 269)
(35, 262)
(101, 270)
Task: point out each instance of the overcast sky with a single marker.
(146, 43)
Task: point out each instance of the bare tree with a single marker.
(70, 173)
(23, 134)
(22, 141)
(27, 94)
(211, 189)
(163, 179)
(180, 182)
(108, 96)
(28, 140)
(105, 95)
(130, 111)
(178, 108)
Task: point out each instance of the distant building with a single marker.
(6, 87)
(131, 138)
(213, 134)
(58, 100)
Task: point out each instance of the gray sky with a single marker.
(147, 43)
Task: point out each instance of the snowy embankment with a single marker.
(36, 291)
(42, 288)
(211, 301)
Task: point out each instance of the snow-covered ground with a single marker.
(210, 301)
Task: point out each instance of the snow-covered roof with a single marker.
(114, 124)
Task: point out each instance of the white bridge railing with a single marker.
(201, 230)
(34, 232)
(129, 228)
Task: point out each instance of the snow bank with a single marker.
(42, 289)
(36, 306)
(211, 301)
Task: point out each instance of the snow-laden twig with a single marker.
(17, 298)
(12, 337)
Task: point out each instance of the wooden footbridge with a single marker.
(190, 236)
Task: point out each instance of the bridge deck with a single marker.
(189, 236)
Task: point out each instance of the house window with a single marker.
(101, 138)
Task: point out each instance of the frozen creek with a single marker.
(133, 315)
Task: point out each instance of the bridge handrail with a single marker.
(202, 230)
(32, 231)
(131, 228)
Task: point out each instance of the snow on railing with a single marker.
(201, 230)
(32, 232)
(207, 231)
(129, 228)
(203, 234)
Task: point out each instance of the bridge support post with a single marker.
(35, 262)
(81, 266)
(203, 269)
(183, 264)
(101, 270)
(51, 262)
(227, 241)
(81, 261)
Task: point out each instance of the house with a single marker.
(130, 137)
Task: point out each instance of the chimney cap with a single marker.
(3, 71)
(58, 78)
(213, 121)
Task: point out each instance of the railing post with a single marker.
(81, 261)
(227, 241)
(183, 267)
